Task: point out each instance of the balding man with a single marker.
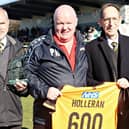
(54, 60)
(10, 104)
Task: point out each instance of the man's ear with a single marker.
(76, 22)
(100, 22)
(120, 20)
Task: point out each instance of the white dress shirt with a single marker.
(110, 42)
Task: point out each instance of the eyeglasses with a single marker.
(109, 19)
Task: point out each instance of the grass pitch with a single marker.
(27, 103)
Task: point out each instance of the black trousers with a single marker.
(38, 126)
(48, 124)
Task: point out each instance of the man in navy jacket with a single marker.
(54, 60)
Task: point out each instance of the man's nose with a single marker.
(65, 26)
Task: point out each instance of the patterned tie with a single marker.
(115, 46)
(1, 47)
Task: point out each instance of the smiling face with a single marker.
(4, 23)
(65, 22)
(110, 21)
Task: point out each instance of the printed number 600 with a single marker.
(85, 125)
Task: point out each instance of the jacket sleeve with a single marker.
(23, 93)
(37, 87)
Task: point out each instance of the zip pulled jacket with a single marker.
(47, 66)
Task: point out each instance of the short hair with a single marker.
(64, 6)
(5, 12)
(108, 5)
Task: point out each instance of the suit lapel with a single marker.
(123, 48)
(123, 53)
(11, 49)
(107, 54)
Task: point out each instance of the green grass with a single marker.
(27, 103)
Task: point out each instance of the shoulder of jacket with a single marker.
(11, 39)
(124, 36)
(16, 44)
(35, 44)
(93, 42)
(37, 40)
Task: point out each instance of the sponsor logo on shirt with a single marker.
(93, 95)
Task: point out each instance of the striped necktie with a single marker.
(1, 47)
(115, 46)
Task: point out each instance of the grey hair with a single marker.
(5, 12)
(64, 6)
(108, 5)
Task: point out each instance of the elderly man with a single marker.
(54, 60)
(108, 57)
(10, 104)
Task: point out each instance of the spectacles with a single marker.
(113, 19)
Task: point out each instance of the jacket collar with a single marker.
(103, 44)
(50, 41)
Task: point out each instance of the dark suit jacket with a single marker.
(101, 67)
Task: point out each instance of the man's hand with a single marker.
(53, 93)
(20, 85)
(123, 83)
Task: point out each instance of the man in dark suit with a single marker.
(109, 62)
